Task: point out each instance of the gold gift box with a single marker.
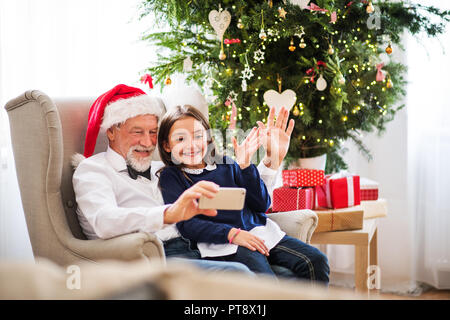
(340, 219)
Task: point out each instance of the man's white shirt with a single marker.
(110, 203)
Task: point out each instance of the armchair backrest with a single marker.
(39, 153)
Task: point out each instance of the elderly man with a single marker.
(117, 190)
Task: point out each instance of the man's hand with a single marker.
(245, 151)
(276, 137)
(186, 206)
(248, 240)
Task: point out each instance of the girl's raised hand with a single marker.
(245, 151)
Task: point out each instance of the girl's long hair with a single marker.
(182, 112)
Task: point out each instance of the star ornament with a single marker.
(258, 55)
(300, 32)
(232, 96)
(282, 13)
(247, 73)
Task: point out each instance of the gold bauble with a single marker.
(240, 25)
(370, 9)
(229, 71)
(389, 49)
(262, 35)
(168, 81)
(296, 112)
(389, 84)
(291, 46)
(330, 50)
(302, 44)
(222, 55)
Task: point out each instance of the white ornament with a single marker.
(219, 21)
(258, 55)
(247, 73)
(301, 3)
(262, 35)
(244, 85)
(300, 32)
(187, 64)
(321, 83)
(232, 96)
(277, 100)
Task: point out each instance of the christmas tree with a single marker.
(327, 60)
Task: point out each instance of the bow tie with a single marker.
(134, 174)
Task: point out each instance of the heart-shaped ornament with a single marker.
(277, 100)
(219, 21)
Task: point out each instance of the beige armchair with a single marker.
(45, 135)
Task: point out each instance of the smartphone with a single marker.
(226, 199)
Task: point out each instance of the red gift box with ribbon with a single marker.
(303, 178)
(341, 190)
(369, 189)
(289, 199)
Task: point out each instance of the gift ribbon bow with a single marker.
(380, 74)
(351, 2)
(146, 78)
(315, 7)
(230, 41)
(312, 70)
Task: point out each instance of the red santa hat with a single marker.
(113, 107)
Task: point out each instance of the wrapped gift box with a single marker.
(289, 199)
(303, 178)
(374, 208)
(340, 219)
(369, 189)
(339, 191)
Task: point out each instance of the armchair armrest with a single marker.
(126, 247)
(299, 224)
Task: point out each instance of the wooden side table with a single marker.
(365, 242)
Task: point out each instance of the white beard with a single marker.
(142, 164)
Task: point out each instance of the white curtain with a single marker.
(428, 155)
(64, 48)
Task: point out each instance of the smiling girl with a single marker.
(247, 236)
